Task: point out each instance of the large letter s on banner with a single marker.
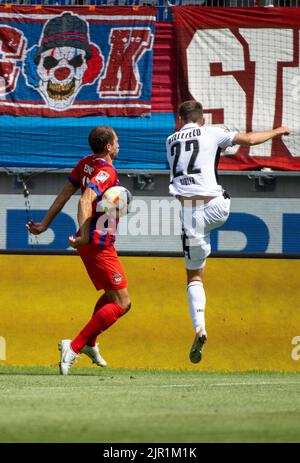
(217, 92)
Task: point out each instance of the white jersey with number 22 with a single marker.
(192, 154)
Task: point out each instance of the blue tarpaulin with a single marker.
(59, 143)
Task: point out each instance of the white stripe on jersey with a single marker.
(192, 155)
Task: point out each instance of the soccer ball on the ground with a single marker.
(116, 201)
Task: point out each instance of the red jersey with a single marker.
(89, 167)
(95, 173)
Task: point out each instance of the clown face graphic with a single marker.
(64, 61)
(61, 72)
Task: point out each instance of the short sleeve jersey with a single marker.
(193, 154)
(95, 173)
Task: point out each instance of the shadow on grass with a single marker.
(107, 372)
(50, 371)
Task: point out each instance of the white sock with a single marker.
(197, 300)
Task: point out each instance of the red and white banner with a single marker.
(243, 66)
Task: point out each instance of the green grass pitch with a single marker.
(110, 405)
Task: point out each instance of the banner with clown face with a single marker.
(80, 61)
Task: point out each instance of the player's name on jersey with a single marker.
(183, 135)
(187, 181)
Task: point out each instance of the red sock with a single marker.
(100, 303)
(100, 321)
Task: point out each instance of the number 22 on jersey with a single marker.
(184, 156)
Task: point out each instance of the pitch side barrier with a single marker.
(230, 255)
(252, 312)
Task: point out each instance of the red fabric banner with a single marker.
(243, 66)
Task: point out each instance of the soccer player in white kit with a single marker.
(193, 153)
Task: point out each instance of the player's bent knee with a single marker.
(196, 272)
(127, 307)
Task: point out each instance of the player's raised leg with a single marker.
(91, 349)
(197, 300)
(119, 303)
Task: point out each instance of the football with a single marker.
(116, 201)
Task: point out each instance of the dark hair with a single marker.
(190, 111)
(99, 137)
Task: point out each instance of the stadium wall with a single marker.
(256, 225)
(252, 313)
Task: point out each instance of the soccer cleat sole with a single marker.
(197, 347)
(100, 363)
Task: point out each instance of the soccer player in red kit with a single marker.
(95, 245)
(97, 167)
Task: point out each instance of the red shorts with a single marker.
(103, 266)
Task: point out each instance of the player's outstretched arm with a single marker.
(256, 138)
(39, 227)
(85, 213)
